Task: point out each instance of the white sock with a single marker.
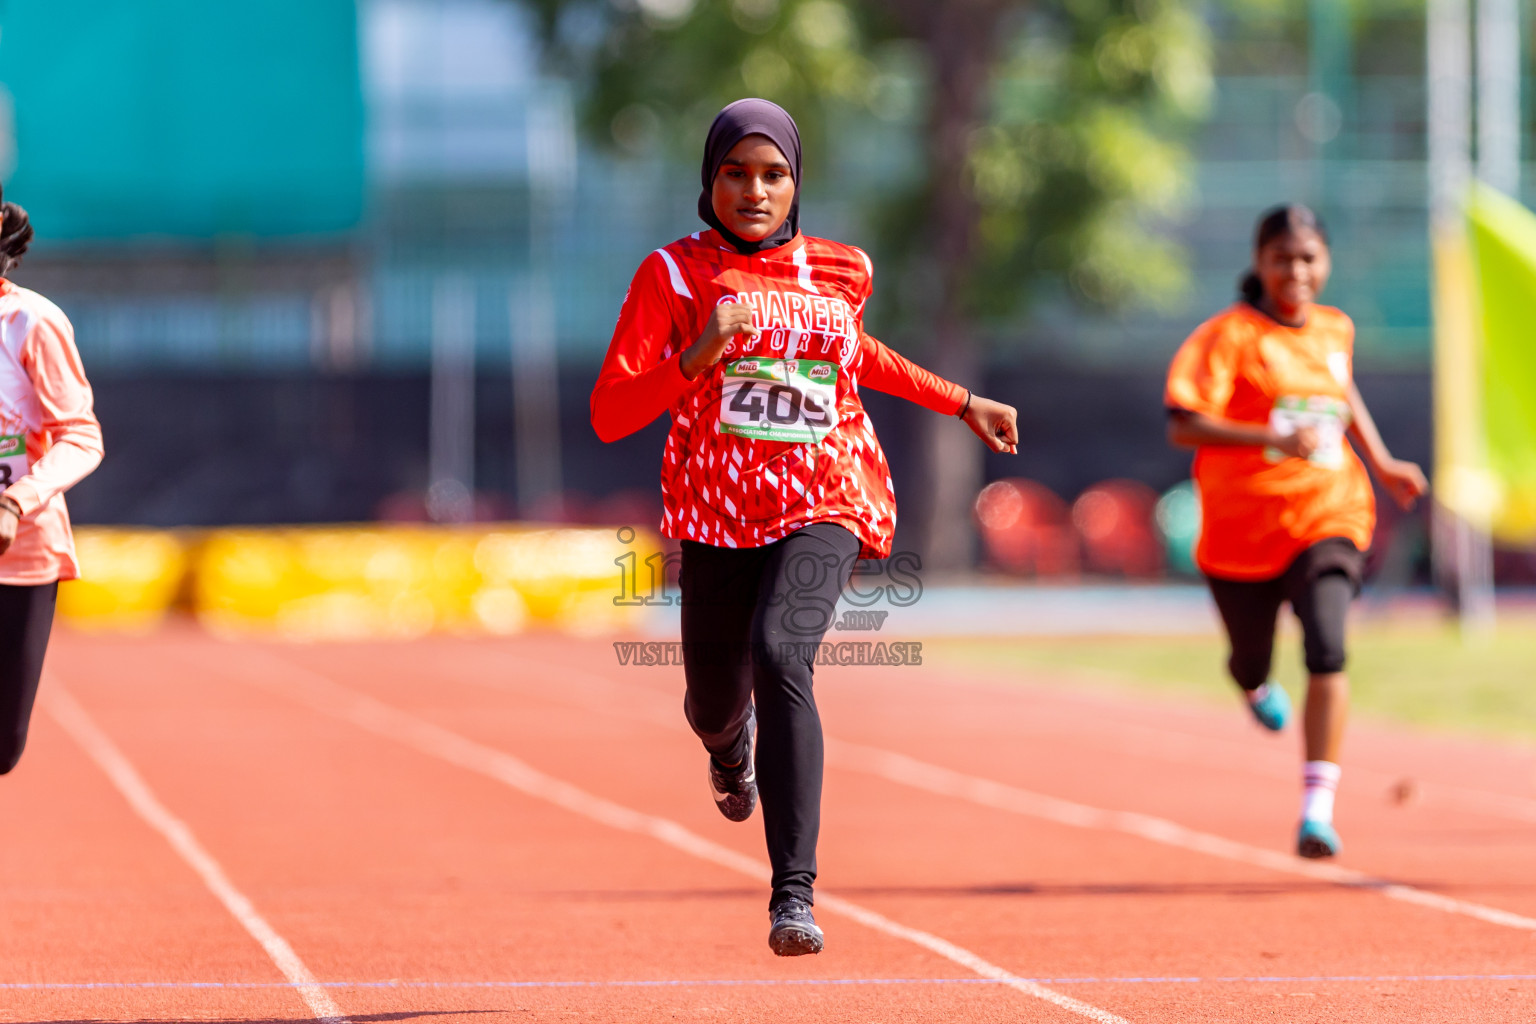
(1321, 781)
(1258, 693)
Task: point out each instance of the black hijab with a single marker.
(734, 123)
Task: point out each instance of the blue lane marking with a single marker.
(743, 982)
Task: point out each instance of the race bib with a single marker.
(792, 400)
(13, 459)
(1329, 417)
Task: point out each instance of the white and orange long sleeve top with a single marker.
(49, 436)
(774, 437)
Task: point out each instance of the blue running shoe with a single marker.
(1271, 707)
(1316, 840)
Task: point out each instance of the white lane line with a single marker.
(100, 748)
(331, 698)
(1257, 979)
(1155, 743)
(932, 778)
(1204, 750)
(909, 771)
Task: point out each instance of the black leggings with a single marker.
(1319, 596)
(26, 618)
(751, 620)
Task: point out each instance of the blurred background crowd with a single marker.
(335, 262)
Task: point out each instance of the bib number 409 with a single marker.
(779, 404)
(787, 400)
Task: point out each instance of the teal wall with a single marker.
(184, 118)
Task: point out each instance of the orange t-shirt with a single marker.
(1259, 508)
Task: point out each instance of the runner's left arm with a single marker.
(69, 419)
(886, 370)
(1403, 480)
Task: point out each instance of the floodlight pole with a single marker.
(451, 456)
(1498, 95)
(551, 141)
(1330, 45)
(1463, 551)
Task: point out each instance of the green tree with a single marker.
(1044, 131)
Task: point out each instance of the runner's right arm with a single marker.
(636, 384)
(1188, 429)
(1200, 384)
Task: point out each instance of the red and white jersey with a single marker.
(773, 437)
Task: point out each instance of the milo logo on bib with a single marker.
(789, 400)
(13, 459)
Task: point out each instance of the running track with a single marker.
(471, 830)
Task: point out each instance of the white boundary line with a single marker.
(331, 698)
(1176, 746)
(100, 748)
(397, 983)
(932, 778)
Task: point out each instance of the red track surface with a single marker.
(379, 862)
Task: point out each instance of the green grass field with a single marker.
(1418, 672)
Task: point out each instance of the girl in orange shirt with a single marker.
(1264, 392)
(49, 441)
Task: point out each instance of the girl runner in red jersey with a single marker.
(49, 441)
(1265, 394)
(751, 335)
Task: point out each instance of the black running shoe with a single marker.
(735, 789)
(792, 929)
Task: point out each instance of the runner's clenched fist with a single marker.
(728, 320)
(995, 423)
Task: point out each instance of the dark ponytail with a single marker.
(15, 235)
(1275, 222)
(1252, 288)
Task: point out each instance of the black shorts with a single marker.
(1319, 585)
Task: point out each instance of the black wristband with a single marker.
(965, 408)
(10, 505)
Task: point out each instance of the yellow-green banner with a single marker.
(1503, 238)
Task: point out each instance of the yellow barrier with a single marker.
(364, 582)
(132, 578)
